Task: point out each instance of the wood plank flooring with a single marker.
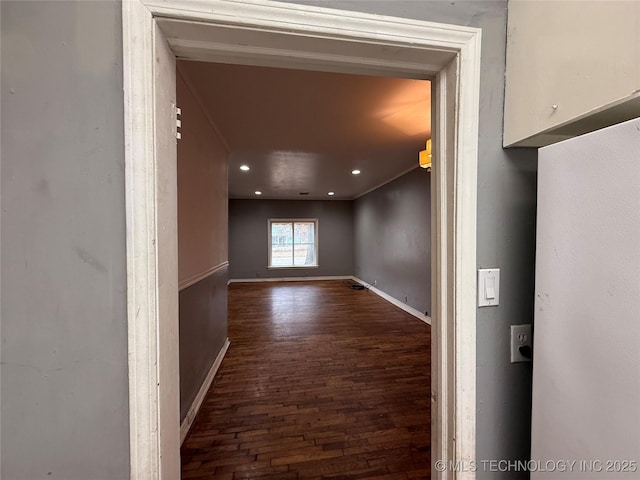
(320, 382)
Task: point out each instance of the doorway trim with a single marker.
(261, 32)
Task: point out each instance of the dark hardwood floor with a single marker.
(320, 382)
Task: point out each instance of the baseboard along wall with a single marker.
(403, 306)
(186, 424)
(290, 279)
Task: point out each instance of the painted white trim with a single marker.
(293, 221)
(289, 279)
(295, 267)
(186, 424)
(442, 205)
(339, 24)
(165, 236)
(151, 238)
(142, 276)
(402, 306)
(464, 234)
(195, 278)
(343, 41)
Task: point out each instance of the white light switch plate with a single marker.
(488, 287)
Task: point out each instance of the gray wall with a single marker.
(203, 331)
(63, 239)
(393, 239)
(202, 244)
(506, 230)
(64, 324)
(248, 236)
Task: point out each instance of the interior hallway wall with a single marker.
(393, 239)
(63, 188)
(506, 230)
(202, 243)
(65, 391)
(248, 237)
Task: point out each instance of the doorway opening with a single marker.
(273, 34)
(289, 131)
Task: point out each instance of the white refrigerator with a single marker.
(586, 362)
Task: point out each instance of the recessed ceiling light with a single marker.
(355, 172)
(258, 192)
(331, 194)
(245, 168)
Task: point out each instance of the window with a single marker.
(293, 243)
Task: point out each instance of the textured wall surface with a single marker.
(65, 408)
(248, 236)
(393, 239)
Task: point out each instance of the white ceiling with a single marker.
(305, 131)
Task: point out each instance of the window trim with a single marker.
(293, 220)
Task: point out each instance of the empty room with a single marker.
(304, 234)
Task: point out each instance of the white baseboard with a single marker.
(416, 313)
(197, 402)
(290, 279)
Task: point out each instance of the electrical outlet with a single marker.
(521, 343)
(375, 282)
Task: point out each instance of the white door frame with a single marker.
(260, 32)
